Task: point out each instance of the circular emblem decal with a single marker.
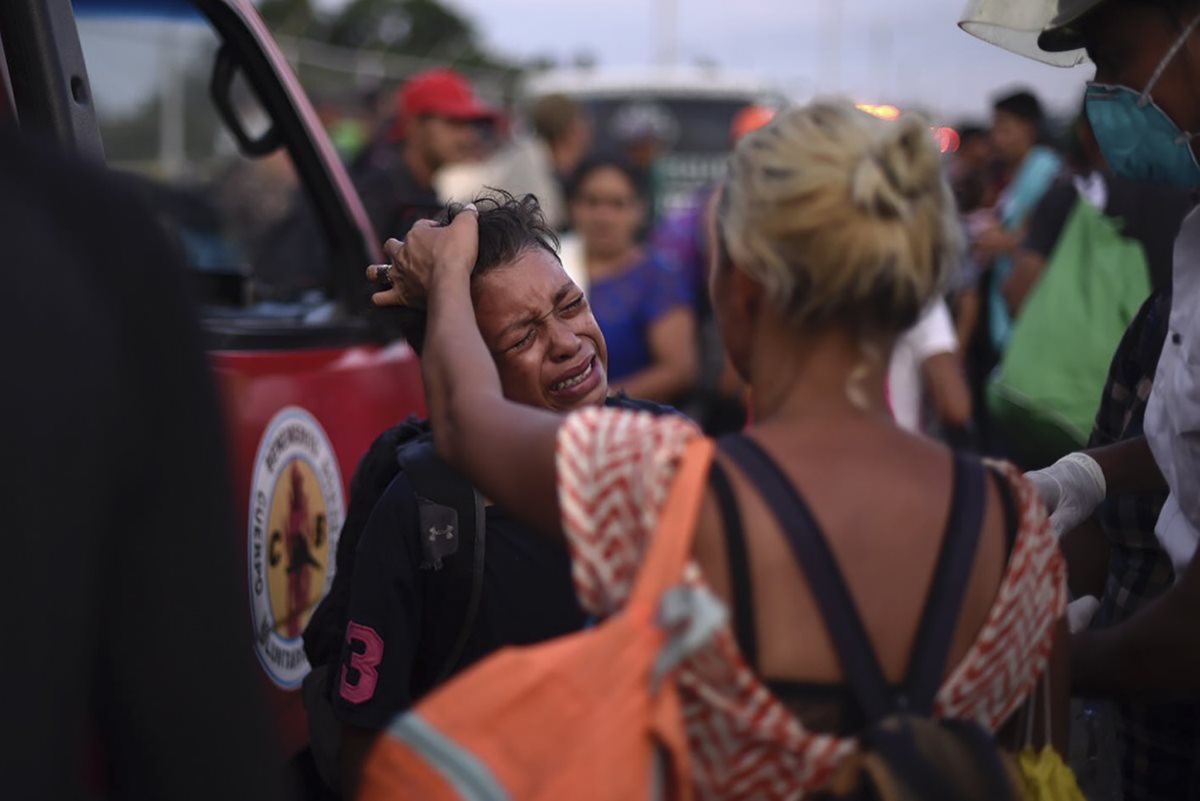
(296, 513)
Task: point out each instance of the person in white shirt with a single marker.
(1144, 105)
(925, 372)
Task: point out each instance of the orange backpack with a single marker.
(590, 716)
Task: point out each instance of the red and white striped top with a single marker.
(614, 471)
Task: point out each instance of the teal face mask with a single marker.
(1138, 139)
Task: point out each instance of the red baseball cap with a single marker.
(439, 93)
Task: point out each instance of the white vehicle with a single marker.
(691, 106)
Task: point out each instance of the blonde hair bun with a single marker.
(897, 170)
(842, 217)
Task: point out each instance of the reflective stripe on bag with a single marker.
(470, 778)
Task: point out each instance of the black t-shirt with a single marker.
(387, 661)
(1150, 214)
(124, 611)
(528, 594)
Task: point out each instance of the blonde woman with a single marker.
(834, 231)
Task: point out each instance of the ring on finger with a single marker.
(383, 274)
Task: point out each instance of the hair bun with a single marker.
(841, 217)
(897, 169)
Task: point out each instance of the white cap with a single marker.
(1037, 29)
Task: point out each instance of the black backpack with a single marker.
(445, 498)
(451, 500)
(447, 502)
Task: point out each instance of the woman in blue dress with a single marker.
(645, 304)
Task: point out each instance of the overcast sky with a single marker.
(900, 51)
(907, 52)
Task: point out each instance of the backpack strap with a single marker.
(860, 665)
(452, 520)
(939, 619)
(326, 629)
(739, 563)
(1012, 516)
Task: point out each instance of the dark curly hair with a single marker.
(508, 227)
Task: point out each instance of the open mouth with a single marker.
(571, 382)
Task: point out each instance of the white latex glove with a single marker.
(1081, 611)
(1071, 488)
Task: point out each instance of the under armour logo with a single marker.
(436, 533)
(439, 533)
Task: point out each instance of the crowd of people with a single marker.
(1039, 339)
(719, 473)
(645, 278)
(832, 234)
(1026, 198)
(1016, 183)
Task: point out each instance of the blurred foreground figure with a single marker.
(127, 670)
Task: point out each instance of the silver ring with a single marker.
(383, 274)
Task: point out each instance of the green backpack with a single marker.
(1045, 394)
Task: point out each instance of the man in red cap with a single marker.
(437, 115)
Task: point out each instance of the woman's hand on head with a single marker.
(428, 250)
